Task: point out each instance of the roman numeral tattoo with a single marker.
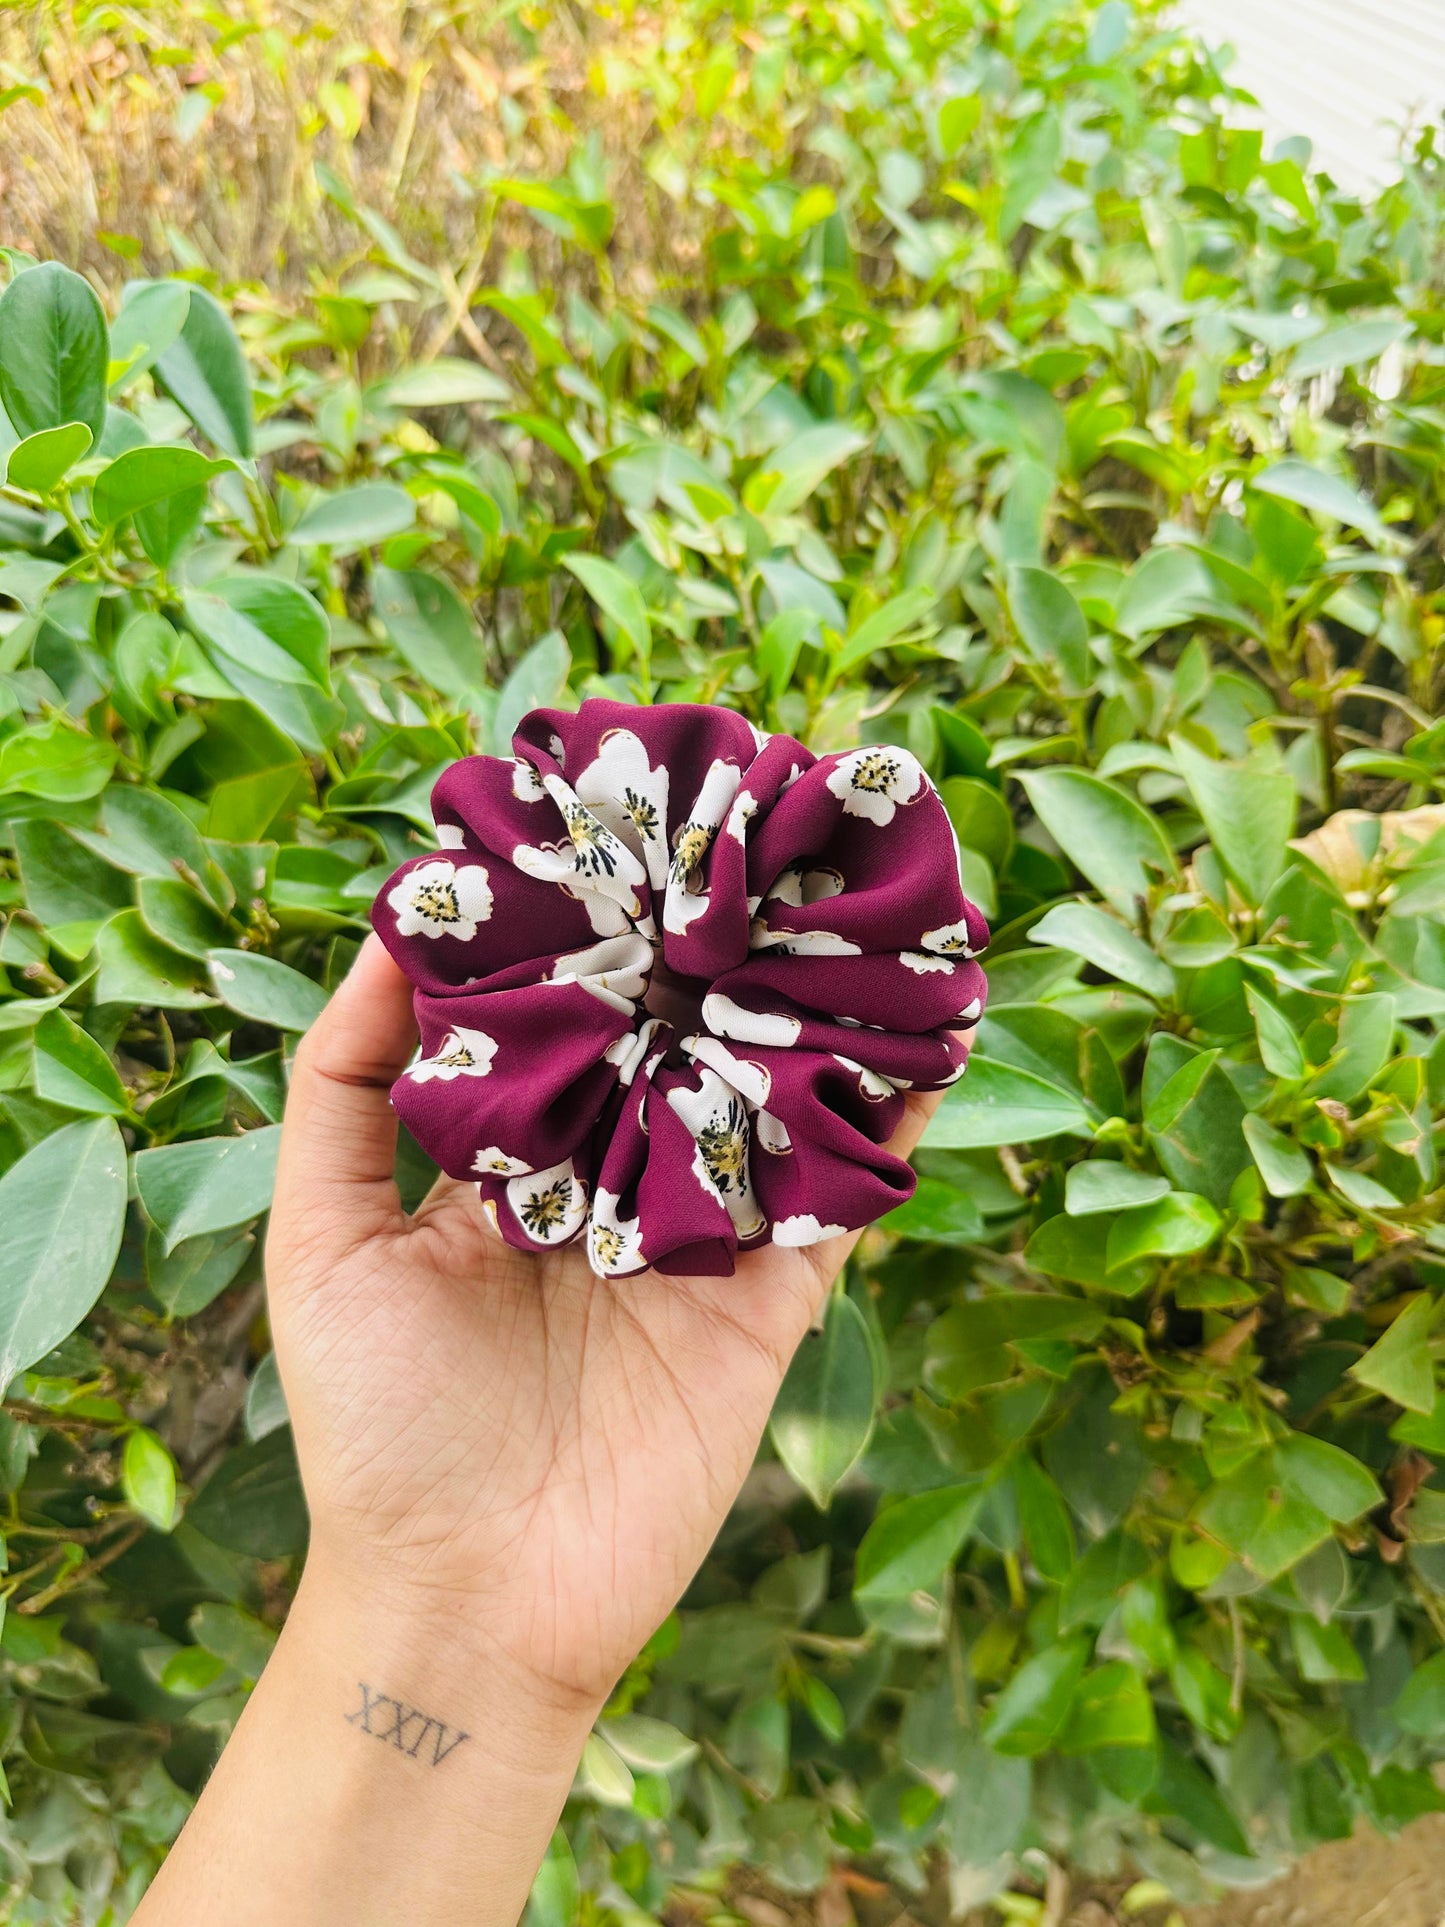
(406, 1728)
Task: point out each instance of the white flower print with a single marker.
(922, 965)
(873, 782)
(745, 807)
(628, 1051)
(772, 1134)
(624, 791)
(800, 943)
(796, 886)
(451, 836)
(949, 940)
(804, 1229)
(463, 1053)
(614, 1245)
(724, 1018)
(614, 971)
(549, 1205)
(526, 783)
(971, 1012)
(873, 1084)
(492, 1163)
(592, 865)
(442, 899)
(752, 1081)
(718, 1120)
(685, 898)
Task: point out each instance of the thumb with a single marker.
(335, 1183)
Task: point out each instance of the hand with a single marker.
(493, 1436)
(513, 1470)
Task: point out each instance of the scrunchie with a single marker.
(672, 976)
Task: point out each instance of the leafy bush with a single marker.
(1017, 408)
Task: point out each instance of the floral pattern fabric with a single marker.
(673, 978)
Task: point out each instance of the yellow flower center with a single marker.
(875, 773)
(438, 903)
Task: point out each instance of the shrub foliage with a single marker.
(1012, 405)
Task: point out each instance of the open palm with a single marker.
(492, 1435)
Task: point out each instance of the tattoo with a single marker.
(407, 1728)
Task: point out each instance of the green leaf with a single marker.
(1111, 1708)
(1398, 1365)
(1195, 1123)
(354, 518)
(618, 597)
(1249, 812)
(432, 629)
(55, 760)
(823, 1414)
(148, 1478)
(141, 477)
(253, 1502)
(233, 1635)
(1279, 1048)
(177, 915)
(980, 818)
(800, 465)
(444, 382)
(54, 352)
(1028, 1715)
(1102, 940)
(911, 1544)
(1349, 346)
(1338, 1484)
(1051, 624)
(937, 1213)
(1420, 1707)
(1285, 1168)
(152, 315)
(209, 1185)
(63, 1209)
(1115, 842)
(882, 628)
(556, 1891)
(1101, 1184)
(997, 1104)
(63, 882)
(137, 969)
(40, 461)
(1172, 1227)
(977, 1343)
(194, 1275)
(1043, 1519)
(650, 1745)
(204, 370)
(1315, 488)
(1092, 1589)
(71, 1069)
(265, 1400)
(266, 991)
(1366, 1041)
(536, 681)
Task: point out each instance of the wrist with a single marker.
(414, 1645)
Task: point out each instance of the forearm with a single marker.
(387, 1768)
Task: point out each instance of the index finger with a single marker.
(338, 1143)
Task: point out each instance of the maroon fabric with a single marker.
(672, 977)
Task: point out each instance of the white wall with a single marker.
(1348, 73)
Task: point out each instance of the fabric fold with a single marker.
(672, 978)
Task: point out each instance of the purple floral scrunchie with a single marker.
(672, 977)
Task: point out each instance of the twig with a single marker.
(40, 1600)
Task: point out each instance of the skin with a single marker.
(513, 1469)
